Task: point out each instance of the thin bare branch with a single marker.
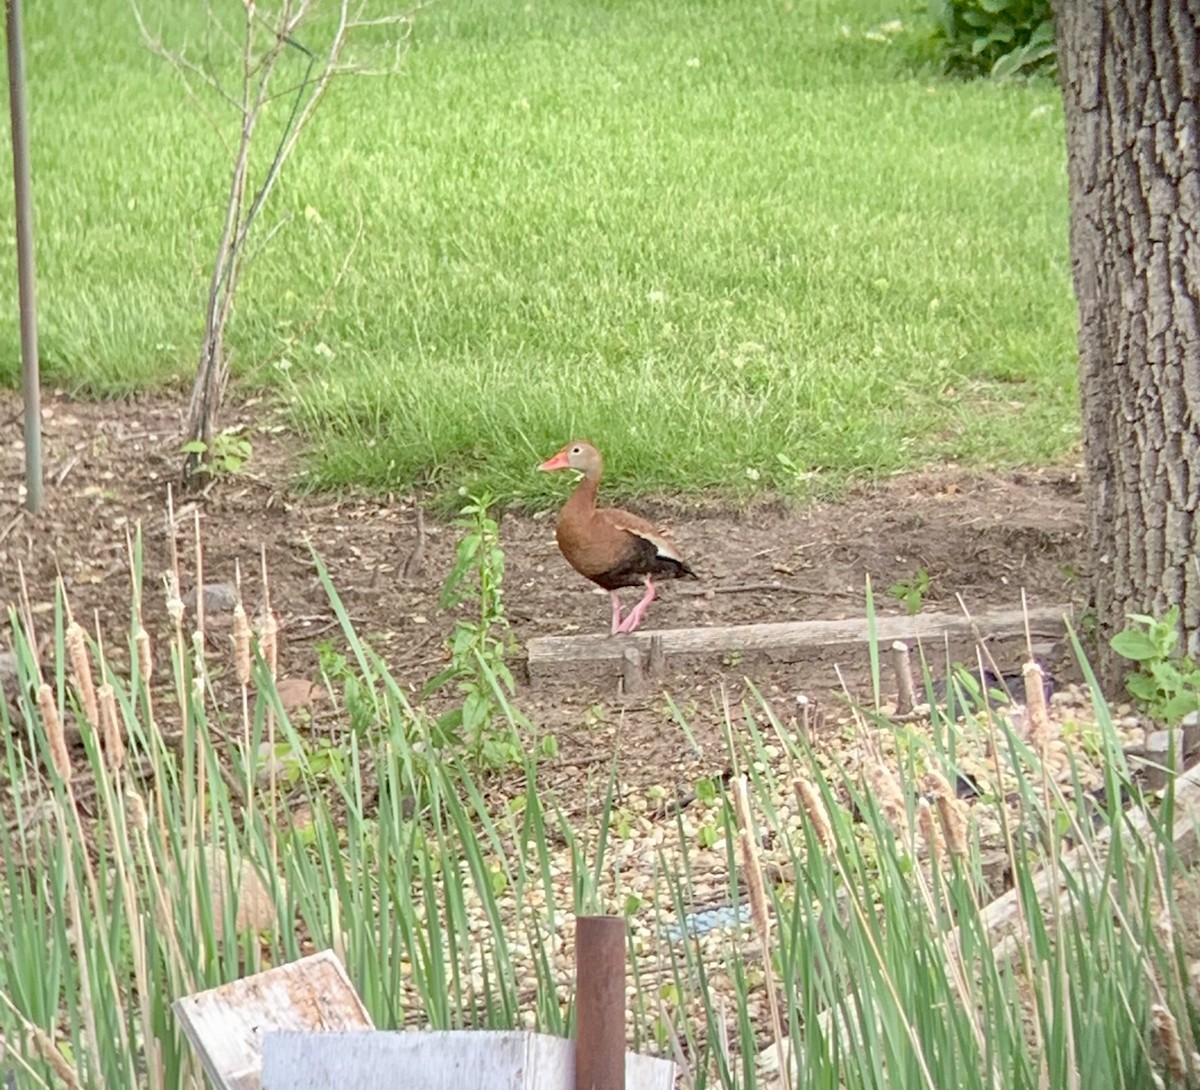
(262, 42)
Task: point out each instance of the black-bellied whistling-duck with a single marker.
(611, 547)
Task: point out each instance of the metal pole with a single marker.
(27, 296)
(599, 1003)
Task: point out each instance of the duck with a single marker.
(611, 547)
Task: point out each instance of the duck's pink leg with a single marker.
(616, 603)
(639, 611)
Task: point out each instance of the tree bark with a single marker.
(1130, 73)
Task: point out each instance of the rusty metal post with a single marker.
(599, 1003)
(30, 382)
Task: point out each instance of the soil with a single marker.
(986, 537)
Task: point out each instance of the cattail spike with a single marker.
(1166, 1035)
(241, 645)
(174, 601)
(54, 732)
(141, 641)
(81, 668)
(929, 833)
(268, 640)
(136, 806)
(1040, 730)
(949, 810)
(111, 734)
(890, 799)
(817, 816)
(953, 826)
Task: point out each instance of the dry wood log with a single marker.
(597, 656)
(906, 695)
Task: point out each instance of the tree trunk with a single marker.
(1130, 72)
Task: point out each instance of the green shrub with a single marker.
(1166, 683)
(995, 37)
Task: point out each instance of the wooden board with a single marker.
(445, 1060)
(226, 1025)
(787, 641)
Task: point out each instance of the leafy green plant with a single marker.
(485, 721)
(911, 591)
(224, 457)
(337, 672)
(995, 37)
(318, 757)
(1166, 683)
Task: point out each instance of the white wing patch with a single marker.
(661, 546)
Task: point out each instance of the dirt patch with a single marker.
(986, 537)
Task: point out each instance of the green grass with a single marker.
(740, 246)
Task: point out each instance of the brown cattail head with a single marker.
(950, 812)
(751, 871)
(137, 810)
(81, 668)
(814, 807)
(141, 641)
(268, 640)
(174, 601)
(889, 798)
(1166, 1037)
(1041, 732)
(954, 828)
(929, 833)
(241, 645)
(59, 756)
(110, 728)
(44, 1045)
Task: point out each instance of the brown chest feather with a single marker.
(614, 548)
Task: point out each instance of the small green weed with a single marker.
(337, 672)
(1166, 684)
(224, 457)
(317, 758)
(484, 722)
(911, 591)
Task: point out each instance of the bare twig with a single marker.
(12, 524)
(262, 41)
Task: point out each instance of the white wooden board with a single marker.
(445, 1060)
(227, 1024)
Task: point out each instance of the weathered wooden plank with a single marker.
(786, 641)
(226, 1024)
(441, 1060)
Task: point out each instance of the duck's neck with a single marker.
(583, 499)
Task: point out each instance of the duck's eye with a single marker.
(577, 450)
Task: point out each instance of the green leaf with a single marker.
(1136, 645)
(1181, 704)
(1142, 687)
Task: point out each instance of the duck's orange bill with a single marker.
(559, 461)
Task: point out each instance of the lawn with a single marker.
(742, 246)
